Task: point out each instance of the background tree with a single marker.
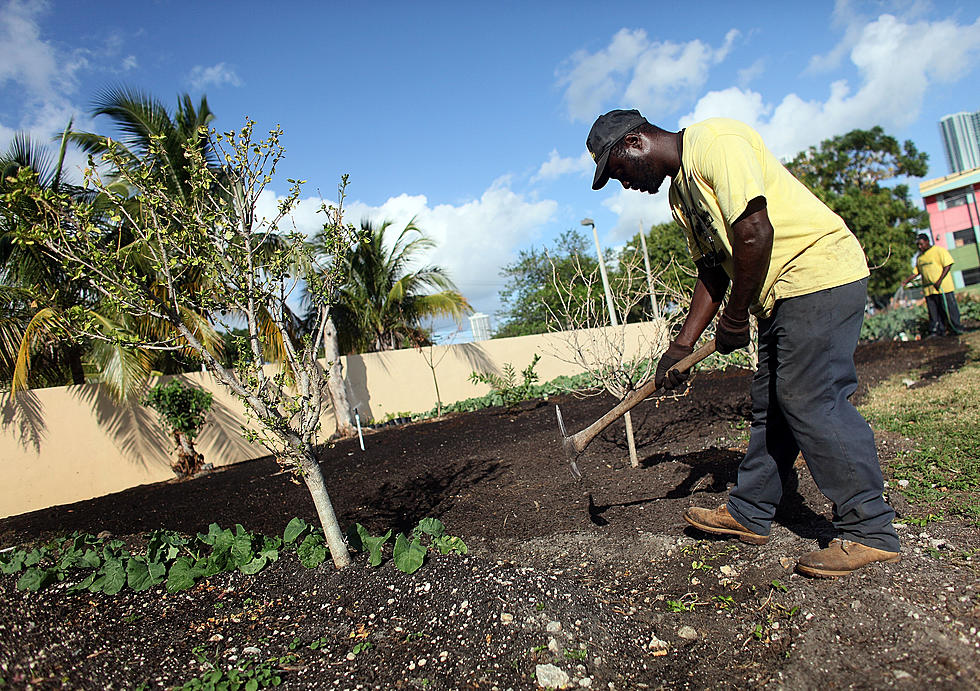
(383, 300)
(182, 410)
(216, 233)
(530, 299)
(150, 137)
(321, 245)
(847, 172)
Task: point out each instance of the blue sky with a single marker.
(473, 117)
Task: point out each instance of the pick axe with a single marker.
(575, 444)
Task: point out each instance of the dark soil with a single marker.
(586, 576)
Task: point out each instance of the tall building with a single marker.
(961, 141)
(480, 326)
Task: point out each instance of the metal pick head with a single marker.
(567, 446)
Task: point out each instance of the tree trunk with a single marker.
(335, 382)
(438, 398)
(634, 460)
(74, 356)
(189, 461)
(324, 509)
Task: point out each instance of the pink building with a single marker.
(954, 218)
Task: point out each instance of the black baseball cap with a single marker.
(606, 131)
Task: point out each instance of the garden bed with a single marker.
(600, 579)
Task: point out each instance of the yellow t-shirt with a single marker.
(725, 165)
(930, 265)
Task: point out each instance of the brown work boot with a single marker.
(841, 557)
(720, 522)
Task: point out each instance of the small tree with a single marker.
(245, 268)
(590, 343)
(182, 410)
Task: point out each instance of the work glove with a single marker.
(674, 354)
(731, 333)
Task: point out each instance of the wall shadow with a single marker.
(475, 356)
(360, 396)
(136, 432)
(132, 427)
(25, 414)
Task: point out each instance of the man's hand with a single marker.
(731, 333)
(667, 378)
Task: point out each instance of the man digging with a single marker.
(794, 264)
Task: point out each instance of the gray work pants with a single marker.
(943, 310)
(800, 403)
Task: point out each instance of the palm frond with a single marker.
(123, 368)
(26, 152)
(44, 323)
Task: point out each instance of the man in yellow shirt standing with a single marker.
(793, 263)
(934, 264)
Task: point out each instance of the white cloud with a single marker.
(897, 62)
(130, 63)
(25, 59)
(216, 75)
(749, 74)
(473, 239)
(635, 209)
(651, 75)
(41, 78)
(556, 166)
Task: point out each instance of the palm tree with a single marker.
(384, 301)
(150, 136)
(34, 288)
(149, 133)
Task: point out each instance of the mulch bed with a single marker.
(599, 578)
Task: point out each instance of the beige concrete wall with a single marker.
(67, 444)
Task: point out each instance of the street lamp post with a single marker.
(602, 270)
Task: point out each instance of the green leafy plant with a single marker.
(249, 675)
(408, 552)
(108, 566)
(724, 601)
(922, 521)
(361, 647)
(505, 386)
(318, 643)
(681, 605)
(888, 325)
(182, 410)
